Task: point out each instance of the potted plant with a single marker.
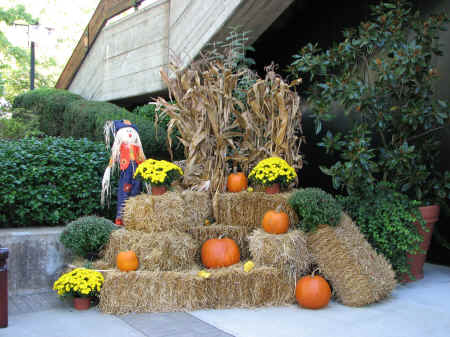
(314, 208)
(159, 174)
(389, 221)
(80, 284)
(381, 76)
(273, 173)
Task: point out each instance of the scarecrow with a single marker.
(127, 154)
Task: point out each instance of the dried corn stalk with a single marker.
(215, 127)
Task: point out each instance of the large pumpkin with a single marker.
(275, 222)
(218, 253)
(127, 261)
(312, 292)
(236, 182)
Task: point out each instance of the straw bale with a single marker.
(197, 206)
(237, 233)
(146, 291)
(248, 208)
(167, 212)
(358, 274)
(156, 251)
(287, 251)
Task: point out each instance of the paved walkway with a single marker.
(419, 309)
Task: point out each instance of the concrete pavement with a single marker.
(418, 309)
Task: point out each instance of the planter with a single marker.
(273, 189)
(81, 303)
(159, 190)
(430, 214)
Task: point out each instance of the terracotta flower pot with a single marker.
(273, 189)
(430, 214)
(159, 190)
(81, 303)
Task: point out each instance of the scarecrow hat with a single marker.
(111, 127)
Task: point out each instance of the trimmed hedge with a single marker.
(65, 114)
(149, 111)
(87, 119)
(50, 104)
(50, 181)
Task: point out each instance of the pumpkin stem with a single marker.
(234, 169)
(314, 271)
(278, 209)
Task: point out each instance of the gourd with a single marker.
(275, 221)
(312, 292)
(220, 252)
(127, 261)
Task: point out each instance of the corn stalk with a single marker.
(216, 128)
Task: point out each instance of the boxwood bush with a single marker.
(315, 207)
(50, 104)
(86, 236)
(50, 181)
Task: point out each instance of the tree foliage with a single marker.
(15, 60)
(382, 76)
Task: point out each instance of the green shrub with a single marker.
(50, 104)
(87, 119)
(149, 111)
(49, 181)
(22, 124)
(315, 207)
(386, 218)
(86, 236)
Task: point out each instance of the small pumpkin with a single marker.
(312, 292)
(127, 261)
(220, 252)
(237, 182)
(275, 221)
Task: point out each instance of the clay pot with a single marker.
(430, 214)
(273, 189)
(81, 303)
(159, 190)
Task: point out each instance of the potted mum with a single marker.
(81, 284)
(159, 174)
(273, 173)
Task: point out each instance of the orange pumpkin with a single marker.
(275, 222)
(236, 182)
(127, 261)
(218, 253)
(312, 292)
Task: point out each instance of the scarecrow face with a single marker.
(127, 135)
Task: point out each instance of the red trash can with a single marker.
(3, 287)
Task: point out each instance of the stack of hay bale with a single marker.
(166, 233)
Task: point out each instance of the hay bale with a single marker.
(167, 212)
(197, 206)
(237, 233)
(184, 291)
(358, 274)
(286, 251)
(157, 251)
(248, 208)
